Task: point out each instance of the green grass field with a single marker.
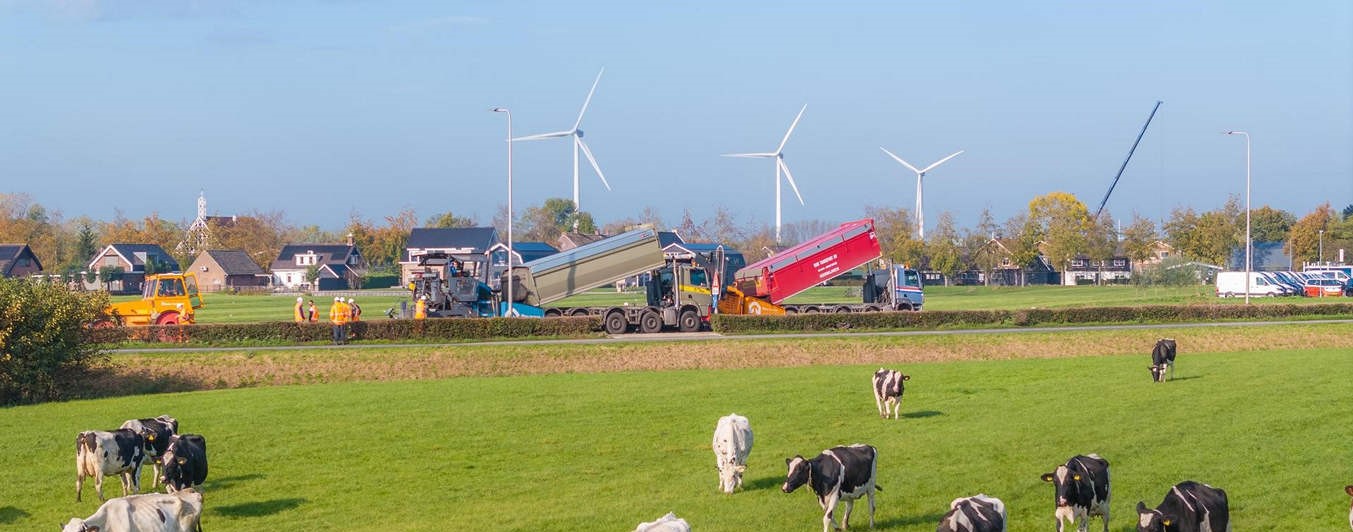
(226, 308)
(605, 451)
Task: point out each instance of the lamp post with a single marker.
(511, 311)
(1247, 211)
(1322, 246)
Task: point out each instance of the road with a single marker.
(714, 337)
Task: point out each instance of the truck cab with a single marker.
(898, 287)
(449, 290)
(681, 289)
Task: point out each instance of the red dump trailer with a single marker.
(762, 287)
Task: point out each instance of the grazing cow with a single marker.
(666, 523)
(1349, 490)
(1162, 359)
(156, 433)
(838, 474)
(1188, 507)
(99, 454)
(978, 513)
(888, 390)
(185, 462)
(1082, 491)
(732, 444)
(152, 512)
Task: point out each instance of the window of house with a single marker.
(307, 259)
(1119, 262)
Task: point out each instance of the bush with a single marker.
(387, 330)
(42, 341)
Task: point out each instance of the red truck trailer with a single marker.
(762, 287)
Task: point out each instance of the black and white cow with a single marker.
(156, 432)
(1349, 491)
(1162, 359)
(1082, 491)
(99, 454)
(978, 513)
(153, 512)
(666, 523)
(888, 388)
(1188, 507)
(185, 462)
(838, 474)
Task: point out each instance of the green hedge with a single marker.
(1021, 318)
(41, 339)
(389, 330)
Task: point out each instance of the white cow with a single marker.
(666, 523)
(152, 512)
(732, 444)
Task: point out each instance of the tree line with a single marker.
(1056, 224)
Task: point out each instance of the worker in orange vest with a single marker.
(355, 310)
(299, 311)
(313, 312)
(338, 317)
(420, 308)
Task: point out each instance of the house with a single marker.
(134, 261)
(1083, 270)
(470, 245)
(1160, 250)
(570, 240)
(228, 269)
(338, 266)
(1005, 272)
(522, 252)
(18, 260)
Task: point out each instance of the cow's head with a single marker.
(897, 385)
(1158, 373)
(730, 475)
(798, 473)
(78, 525)
(1069, 485)
(171, 469)
(1149, 520)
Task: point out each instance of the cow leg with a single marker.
(871, 508)
(878, 401)
(79, 485)
(829, 504)
(845, 517)
(897, 406)
(98, 485)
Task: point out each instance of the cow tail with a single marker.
(878, 487)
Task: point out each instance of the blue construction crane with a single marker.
(1125, 161)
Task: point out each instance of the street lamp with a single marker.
(511, 311)
(1247, 212)
(1322, 246)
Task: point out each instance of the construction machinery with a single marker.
(678, 288)
(762, 287)
(448, 290)
(166, 299)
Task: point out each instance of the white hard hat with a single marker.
(350, 300)
(338, 299)
(299, 299)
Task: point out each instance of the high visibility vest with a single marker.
(300, 312)
(338, 314)
(314, 312)
(420, 310)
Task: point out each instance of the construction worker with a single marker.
(312, 313)
(299, 311)
(420, 308)
(356, 310)
(338, 317)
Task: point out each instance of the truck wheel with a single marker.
(553, 313)
(810, 310)
(650, 322)
(168, 318)
(578, 312)
(689, 321)
(615, 323)
(872, 308)
(841, 310)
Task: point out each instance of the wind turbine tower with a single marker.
(780, 166)
(920, 191)
(578, 143)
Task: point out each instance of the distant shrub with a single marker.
(42, 342)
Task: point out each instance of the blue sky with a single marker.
(320, 108)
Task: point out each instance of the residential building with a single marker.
(228, 270)
(18, 261)
(337, 266)
(135, 261)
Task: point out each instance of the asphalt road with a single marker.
(715, 337)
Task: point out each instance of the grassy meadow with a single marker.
(606, 450)
(227, 308)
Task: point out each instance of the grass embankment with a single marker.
(604, 451)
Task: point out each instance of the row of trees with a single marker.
(1056, 224)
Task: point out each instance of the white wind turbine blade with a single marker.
(941, 161)
(543, 136)
(588, 100)
(791, 129)
(749, 155)
(899, 159)
(588, 152)
(781, 163)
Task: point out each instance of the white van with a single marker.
(1232, 284)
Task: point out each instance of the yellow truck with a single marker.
(166, 299)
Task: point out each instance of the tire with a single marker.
(553, 313)
(615, 323)
(650, 322)
(810, 310)
(578, 312)
(791, 310)
(841, 310)
(688, 321)
(168, 318)
(872, 308)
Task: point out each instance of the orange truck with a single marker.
(166, 299)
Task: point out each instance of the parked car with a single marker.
(1324, 287)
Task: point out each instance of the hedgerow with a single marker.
(384, 330)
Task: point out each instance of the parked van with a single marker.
(1232, 284)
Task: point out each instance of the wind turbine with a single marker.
(780, 166)
(578, 143)
(920, 194)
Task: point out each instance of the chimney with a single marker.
(349, 239)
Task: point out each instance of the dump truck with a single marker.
(166, 299)
(762, 287)
(678, 293)
(450, 293)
